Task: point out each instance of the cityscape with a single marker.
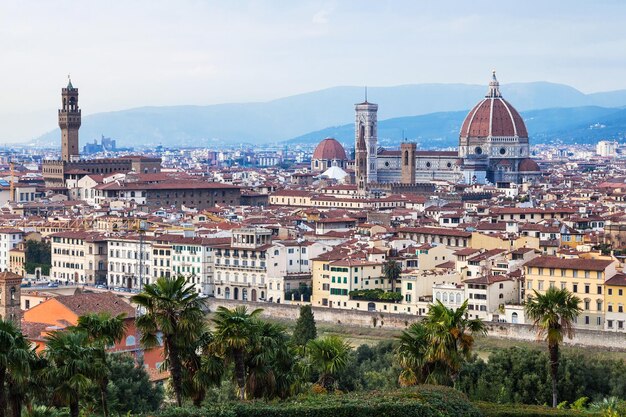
(449, 247)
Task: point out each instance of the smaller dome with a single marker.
(330, 149)
(528, 165)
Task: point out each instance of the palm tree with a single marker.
(411, 353)
(434, 350)
(173, 312)
(234, 330)
(23, 387)
(553, 314)
(202, 367)
(14, 358)
(103, 330)
(270, 363)
(392, 270)
(329, 356)
(451, 336)
(71, 360)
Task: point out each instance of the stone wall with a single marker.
(391, 321)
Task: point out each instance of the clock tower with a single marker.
(69, 122)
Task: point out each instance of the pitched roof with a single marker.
(571, 263)
(103, 302)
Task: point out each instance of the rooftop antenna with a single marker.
(366, 94)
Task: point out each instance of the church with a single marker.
(493, 147)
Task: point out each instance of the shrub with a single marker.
(421, 401)
(521, 410)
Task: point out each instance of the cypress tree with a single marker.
(305, 327)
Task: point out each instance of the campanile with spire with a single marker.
(69, 122)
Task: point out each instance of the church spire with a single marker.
(69, 82)
(494, 87)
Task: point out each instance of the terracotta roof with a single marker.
(572, 263)
(329, 148)
(85, 303)
(617, 280)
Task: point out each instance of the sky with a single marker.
(123, 54)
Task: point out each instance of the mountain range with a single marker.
(426, 112)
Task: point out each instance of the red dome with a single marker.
(330, 149)
(493, 116)
(528, 165)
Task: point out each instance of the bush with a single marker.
(421, 401)
(375, 295)
(520, 410)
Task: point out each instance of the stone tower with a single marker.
(366, 126)
(69, 122)
(360, 161)
(407, 150)
(10, 297)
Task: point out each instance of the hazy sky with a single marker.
(133, 53)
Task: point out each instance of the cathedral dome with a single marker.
(493, 116)
(330, 149)
(528, 165)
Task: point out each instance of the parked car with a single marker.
(53, 284)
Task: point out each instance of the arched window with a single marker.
(227, 293)
(445, 297)
(406, 158)
(458, 298)
(130, 341)
(514, 318)
(438, 296)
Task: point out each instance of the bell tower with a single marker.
(360, 161)
(366, 126)
(69, 122)
(10, 297)
(407, 151)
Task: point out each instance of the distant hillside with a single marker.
(571, 125)
(294, 116)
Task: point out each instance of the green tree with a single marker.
(70, 358)
(234, 331)
(14, 358)
(391, 271)
(553, 314)
(202, 367)
(103, 330)
(434, 350)
(130, 389)
(451, 336)
(173, 312)
(270, 364)
(37, 254)
(305, 329)
(328, 356)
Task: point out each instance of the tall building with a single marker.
(606, 148)
(366, 129)
(69, 122)
(10, 297)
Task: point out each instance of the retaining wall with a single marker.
(583, 337)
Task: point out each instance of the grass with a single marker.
(357, 335)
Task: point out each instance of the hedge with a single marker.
(522, 410)
(422, 401)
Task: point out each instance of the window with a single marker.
(586, 319)
(529, 285)
(587, 289)
(609, 324)
(130, 341)
(587, 274)
(599, 305)
(563, 285)
(586, 304)
(575, 273)
(540, 285)
(575, 288)
(599, 274)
